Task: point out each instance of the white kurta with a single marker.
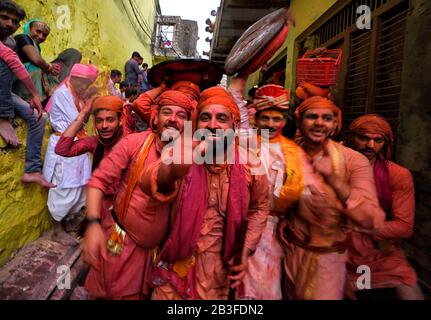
(69, 174)
(263, 279)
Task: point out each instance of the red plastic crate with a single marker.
(321, 71)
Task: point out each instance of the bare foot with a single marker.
(8, 133)
(36, 177)
(65, 239)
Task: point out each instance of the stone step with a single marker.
(41, 270)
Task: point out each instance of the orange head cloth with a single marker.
(148, 111)
(111, 103)
(187, 87)
(318, 102)
(374, 124)
(306, 90)
(271, 96)
(218, 95)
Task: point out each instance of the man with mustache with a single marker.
(314, 232)
(381, 250)
(283, 161)
(137, 224)
(219, 214)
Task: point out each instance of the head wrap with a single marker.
(111, 103)
(187, 87)
(29, 22)
(271, 96)
(218, 95)
(148, 110)
(306, 90)
(318, 102)
(374, 124)
(86, 71)
(175, 98)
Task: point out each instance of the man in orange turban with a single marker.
(381, 251)
(107, 113)
(288, 173)
(137, 224)
(314, 235)
(219, 213)
(146, 105)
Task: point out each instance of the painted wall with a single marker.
(106, 32)
(23, 212)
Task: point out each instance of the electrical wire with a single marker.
(139, 22)
(143, 19)
(135, 10)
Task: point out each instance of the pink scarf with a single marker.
(187, 227)
(383, 184)
(86, 71)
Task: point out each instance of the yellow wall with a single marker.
(23, 212)
(106, 36)
(105, 31)
(305, 13)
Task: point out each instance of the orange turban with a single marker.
(306, 90)
(175, 98)
(374, 124)
(318, 102)
(187, 87)
(271, 96)
(147, 108)
(111, 103)
(218, 95)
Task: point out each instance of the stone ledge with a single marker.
(32, 272)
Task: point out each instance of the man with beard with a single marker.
(381, 250)
(220, 211)
(137, 224)
(314, 233)
(283, 161)
(107, 120)
(69, 174)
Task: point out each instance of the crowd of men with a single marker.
(297, 224)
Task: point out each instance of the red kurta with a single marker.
(146, 224)
(382, 252)
(211, 273)
(68, 147)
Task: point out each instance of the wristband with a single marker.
(92, 220)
